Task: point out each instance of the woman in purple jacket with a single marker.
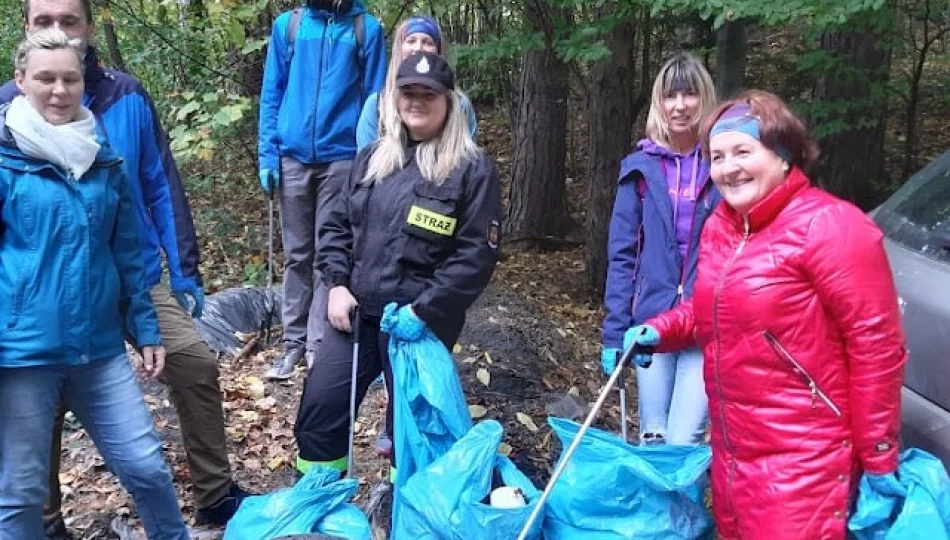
(663, 199)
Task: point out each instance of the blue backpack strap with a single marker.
(291, 36)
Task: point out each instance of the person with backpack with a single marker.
(664, 198)
(323, 60)
(414, 35)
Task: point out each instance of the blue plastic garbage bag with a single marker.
(923, 513)
(316, 504)
(613, 490)
(430, 411)
(444, 501)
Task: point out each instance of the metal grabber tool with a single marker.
(355, 332)
(634, 349)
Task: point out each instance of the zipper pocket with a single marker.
(816, 391)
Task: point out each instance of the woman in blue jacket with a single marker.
(68, 260)
(663, 199)
(414, 35)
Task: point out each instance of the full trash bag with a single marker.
(612, 490)
(316, 504)
(923, 513)
(238, 310)
(446, 500)
(430, 411)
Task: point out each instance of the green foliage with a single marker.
(200, 122)
(817, 13)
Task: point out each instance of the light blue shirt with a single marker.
(367, 129)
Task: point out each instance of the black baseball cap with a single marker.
(429, 70)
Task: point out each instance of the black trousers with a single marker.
(323, 421)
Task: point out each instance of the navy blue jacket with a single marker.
(646, 270)
(126, 112)
(311, 103)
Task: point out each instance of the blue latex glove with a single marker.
(270, 180)
(886, 484)
(609, 357)
(197, 296)
(644, 335)
(402, 323)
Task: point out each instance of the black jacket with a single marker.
(408, 240)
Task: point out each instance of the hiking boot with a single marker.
(56, 530)
(283, 366)
(310, 356)
(219, 513)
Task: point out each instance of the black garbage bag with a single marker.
(241, 310)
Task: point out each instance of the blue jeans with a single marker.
(672, 398)
(106, 397)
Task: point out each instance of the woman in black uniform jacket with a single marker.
(418, 225)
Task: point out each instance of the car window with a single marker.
(918, 215)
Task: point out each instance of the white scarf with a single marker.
(72, 146)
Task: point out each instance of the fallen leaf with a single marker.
(470, 360)
(488, 358)
(504, 449)
(457, 348)
(249, 416)
(574, 391)
(483, 376)
(526, 421)
(477, 411)
(253, 465)
(276, 462)
(266, 404)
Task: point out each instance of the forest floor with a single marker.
(530, 347)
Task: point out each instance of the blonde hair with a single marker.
(48, 39)
(386, 102)
(436, 157)
(686, 70)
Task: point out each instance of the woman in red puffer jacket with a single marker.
(796, 312)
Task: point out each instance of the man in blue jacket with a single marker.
(324, 59)
(126, 112)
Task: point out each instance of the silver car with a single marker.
(916, 224)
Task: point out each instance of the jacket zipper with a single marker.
(816, 392)
(718, 356)
(316, 103)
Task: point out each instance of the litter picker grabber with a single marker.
(622, 385)
(566, 456)
(355, 332)
(271, 303)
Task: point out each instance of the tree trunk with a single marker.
(537, 207)
(112, 42)
(610, 120)
(730, 59)
(852, 159)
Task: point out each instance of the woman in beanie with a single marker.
(663, 199)
(72, 283)
(797, 315)
(415, 231)
(414, 35)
